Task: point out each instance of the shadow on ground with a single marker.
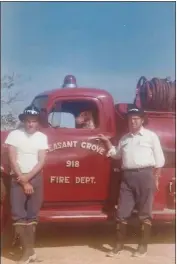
(97, 236)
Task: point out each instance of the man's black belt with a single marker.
(138, 169)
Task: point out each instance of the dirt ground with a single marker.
(85, 244)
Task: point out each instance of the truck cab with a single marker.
(77, 171)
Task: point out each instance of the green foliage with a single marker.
(8, 98)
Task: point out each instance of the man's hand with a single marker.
(104, 138)
(157, 176)
(28, 188)
(157, 184)
(22, 179)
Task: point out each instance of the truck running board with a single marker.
(95, 216)
(165, 211)
(72, 216)
(161, 212)
(165, 215)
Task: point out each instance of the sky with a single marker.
(107, 45)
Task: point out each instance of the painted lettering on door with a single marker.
(74, 144)
(72, 180)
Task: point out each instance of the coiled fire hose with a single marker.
(156, 94)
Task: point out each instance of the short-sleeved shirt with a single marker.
(139, 151)
(27, 146)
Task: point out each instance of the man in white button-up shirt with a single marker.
(142, 159)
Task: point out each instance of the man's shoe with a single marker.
(27, 258)
(141, 251)
(121, 229)
(116, 251)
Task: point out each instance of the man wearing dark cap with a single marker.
(27, 152)
(142, 159)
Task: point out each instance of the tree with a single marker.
(9, 96)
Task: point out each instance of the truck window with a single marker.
(40, 101)
(58, 119)
(79, 114)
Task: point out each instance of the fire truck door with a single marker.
(77, 168)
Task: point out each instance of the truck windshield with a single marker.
(40, 101)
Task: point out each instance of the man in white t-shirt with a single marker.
(27, 153)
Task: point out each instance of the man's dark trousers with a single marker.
(137, 189)
(25, 208)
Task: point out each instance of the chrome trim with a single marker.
(72, 216)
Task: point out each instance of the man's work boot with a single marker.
(30, 229)
(120, 239)
(25, 242)
(32, 233)
(144, 240)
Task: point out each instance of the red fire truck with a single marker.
(80, 182)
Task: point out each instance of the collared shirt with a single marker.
(139, 151)
(27, 147)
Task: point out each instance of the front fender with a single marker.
(5, 200)
(5, 187)
(5, 165)
(3, 191)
